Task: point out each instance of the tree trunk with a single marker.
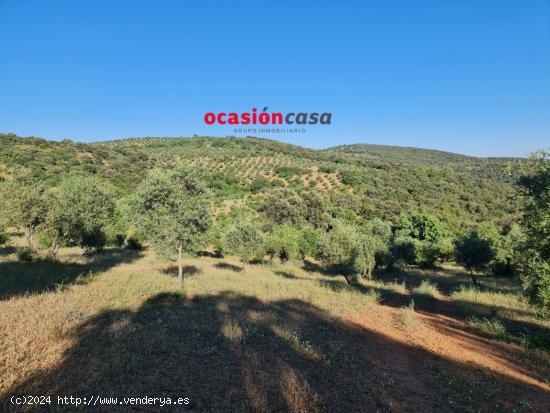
(180, 267)
(30, 238)
(54, 247)
(474, 280)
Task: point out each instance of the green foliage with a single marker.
(259, 183)
(348, 251)
(133, 243)
(473, 252)
(4, 238)
(25, 254)
(534, 249)
(503, 246)
(461, 191)
(172, 211)
(243, 239)
(79, 210)
(380, 233)
(283, 242)
(364, 258)
(283, 206)
(404, 250)
(421, 226)
(309, 242)
(429, 239)
(315, 208)
(24, 205)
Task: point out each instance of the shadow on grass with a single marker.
(228, 266)
(230, 352)
(20, 278)
(188, 270)
(525, 332)
(7, 250)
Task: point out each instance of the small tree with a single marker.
(348, 252)
(283, 242)
(80, 210)
(308, 242)
(243, 239)
(282, 206)
(315, 208)
(534, 247)
(473, 253)
(432, 239)
(172, 211)
(24, 206)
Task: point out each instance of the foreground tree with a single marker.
(79, 211)
(172, 211)
(23, 204)
(474, 253)
(534, 248)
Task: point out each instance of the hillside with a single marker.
(376, 180)
(252, 275)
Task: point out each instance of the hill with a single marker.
(372, 180)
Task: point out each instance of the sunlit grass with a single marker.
(425, 290)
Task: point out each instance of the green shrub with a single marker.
(404, 249)
(132, 243)
(283, 242)
(243, 239)
(25, 254)
(426, 289)
(488, 325)
(118, 240)
(4, 238)
(309, 242)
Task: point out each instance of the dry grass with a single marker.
(253, 338)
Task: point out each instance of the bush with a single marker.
(338, 248)
(309, 243)
(4, 238)
(243, 239)
(25, 254)
(348, 252)
(283, 242)
(404, 249)
(132, 243)
(118, 240)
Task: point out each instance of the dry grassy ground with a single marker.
(266, 338)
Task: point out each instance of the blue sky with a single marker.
(465, 76)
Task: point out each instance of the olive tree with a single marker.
(243, 239)
(172, 211)
(348, 252)
(283, 242)
(79, 211)
(474, 253)
(24, 206)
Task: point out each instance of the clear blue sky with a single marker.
(465, 76)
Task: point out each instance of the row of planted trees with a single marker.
(172, 211)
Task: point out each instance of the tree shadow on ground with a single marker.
(20, 278)
(188, 270)
(231, 352)
(228, 266)
(7, 250)
(519, 331)
(446, 280)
